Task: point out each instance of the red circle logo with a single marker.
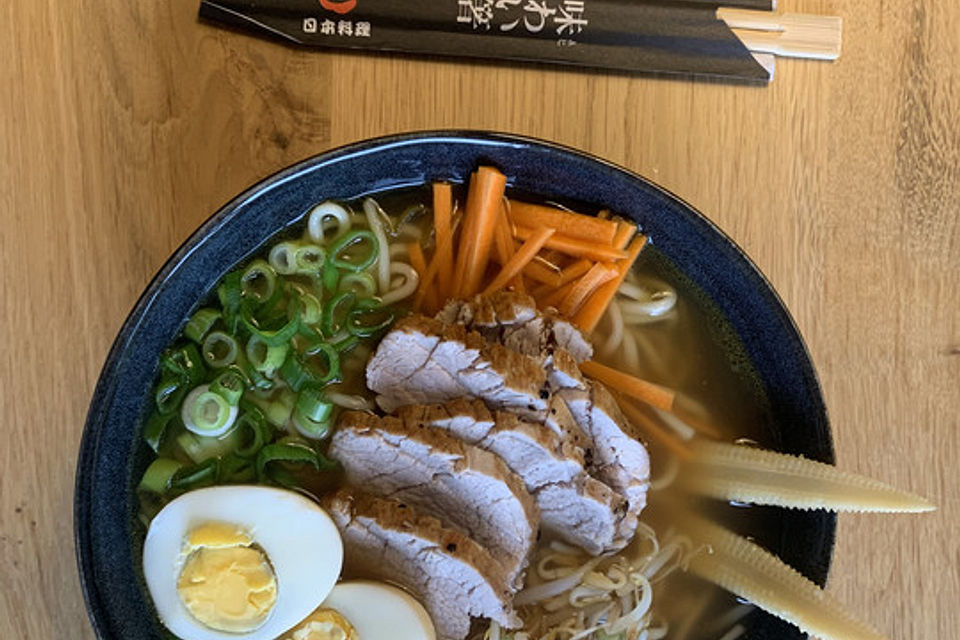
(339, 6)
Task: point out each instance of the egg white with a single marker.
(379, 611)
(298, 537)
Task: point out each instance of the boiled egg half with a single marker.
(239, 562)
(364, 610)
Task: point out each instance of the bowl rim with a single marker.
(103, 391)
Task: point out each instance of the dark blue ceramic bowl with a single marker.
(112, 456)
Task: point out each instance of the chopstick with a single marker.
(793, 35)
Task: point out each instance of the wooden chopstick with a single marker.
(794, 35)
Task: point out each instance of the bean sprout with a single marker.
(406, 287)
(320, 215)
(373, 213)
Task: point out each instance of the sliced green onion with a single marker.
(331, 277)
(276, 337)
(259, 281)
(265, 358)
(317, 365)
(311, 310)
(199, 475)
(361, 283)
(341, 253)
(156, 479)
(346, 345)
(229, 385)
(312, 403)
(316, 430)
(310, 259)
(278, 407)
(369, 318)
(289, 451)
(156, 428)
(252, 431)
(185, 363)
(255, 379)
(200, 323)
(168, 394)
(234, 469)
(206, 413)
(219, 349)
(282, 257)
(229, 294)
(336, 312)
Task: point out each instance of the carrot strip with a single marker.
(574, 225)
(505, 246)
(443, 228)
(652, 394)
(538, 271)
(426, 281)
(583, 287)
(574, 271)
(625, 233)
(589, 315)
(419, 263)
(514, 266)
(638, 417)
(480, 223)
(577, 248)
(465, 232)
(554, 299)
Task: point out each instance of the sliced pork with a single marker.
(442, 476)
(618, 459)
(574, 507)
(450, 573)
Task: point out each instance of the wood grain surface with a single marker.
(123, 125)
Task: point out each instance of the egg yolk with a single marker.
(226, 583)
(323, 624)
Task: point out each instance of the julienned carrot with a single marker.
(574, 271)
(514, 266)
(591, 312)
(574, 225)
(506, 248)
(556, 297)
(443, 228)
(480, 223)
(419, 263)
(574, 247)
(652, 394)
(538, 271)
(460, 257)
(625, 232)
(639, 418)
(584, 286)
(426, 282)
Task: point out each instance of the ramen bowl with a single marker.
(112, 455)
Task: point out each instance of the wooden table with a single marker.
(124, 124)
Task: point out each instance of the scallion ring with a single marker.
(283, 257)
(330, 277)
(312, 403)
(206, 413)
(259, 281)
(168, 394)
(200, 324)
(336, 312)
(229, 385)
(311, 310)
(264, 357)
(313, 429)
(343, 252)
(275, 337)
(361, 283)
(219, 349)
(369, 318)
(252, 431)
(156, 479)
(156, 428)
(197, 476)
(184, 362)
(310, 259)
(229, 293)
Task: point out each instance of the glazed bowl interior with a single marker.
(112, 456)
